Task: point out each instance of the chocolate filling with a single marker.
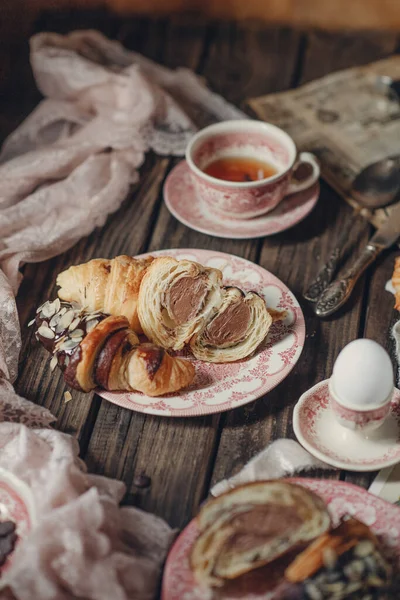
(259, 525)
(106, 356)
(153, 357)
(230, 326)
(186, 297)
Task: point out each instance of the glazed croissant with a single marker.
(96, 350)
(110, 286)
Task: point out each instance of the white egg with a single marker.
(362, 374)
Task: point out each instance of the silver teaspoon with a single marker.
(374, 187)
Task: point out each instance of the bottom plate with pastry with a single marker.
(221, 386)
(288, 539)
(174, 333)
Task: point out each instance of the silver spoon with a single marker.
(374, 187)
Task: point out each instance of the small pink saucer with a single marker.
(319, 432)
(183, 202)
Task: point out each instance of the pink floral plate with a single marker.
(319, 432)
(220, 387)
(16, 504)
(183, 202)
(341, 498)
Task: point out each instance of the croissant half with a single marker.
(96, 350)
(110, 286)
(175, 298)
(236, 330)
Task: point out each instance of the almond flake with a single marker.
(31, 322)
(74, 324)
(90, 325)
(67, 396)
(53, 363)
(63, 311)
(57, 304)
(54, 321)
(78, 333)
(66, 361)
(46, 332)
(69, 345)
(67, 319)
(48, 310)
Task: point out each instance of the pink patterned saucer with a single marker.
(319, 432)
(341, 498)
(220, 387)
(183, 202)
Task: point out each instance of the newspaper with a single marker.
(347, 119)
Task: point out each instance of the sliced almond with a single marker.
(69, 345)
(48, 310)
(63, 311)
(67, 319)
(53, 363)
(55, 319)
(66, 361)
(90, 325)
(31, 322)
(77, 333)
(74, 323)
(67, 396)
(57, 304)
(46, 332)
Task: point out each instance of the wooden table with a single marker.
(183, 457)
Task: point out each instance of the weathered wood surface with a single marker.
(183, 456)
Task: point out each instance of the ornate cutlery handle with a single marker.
(327, 272)
(339, 291)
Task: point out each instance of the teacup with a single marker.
(251, 139)
(356, 418)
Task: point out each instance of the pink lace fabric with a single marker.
(67, 166)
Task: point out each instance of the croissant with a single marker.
(175, 299)
(235, 331)
(396, 282)
(96, 350)
(110, 286)
(251, 526)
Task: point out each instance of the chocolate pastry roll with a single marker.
(235, 331)
(96, 350)
(175, 299)
(108, 286)
(345, 562)
(251, 526)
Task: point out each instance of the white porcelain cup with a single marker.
(356, 419)
(252, 139)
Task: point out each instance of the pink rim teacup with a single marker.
(255, 139)
(356, 419)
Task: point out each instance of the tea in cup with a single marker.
(244, 168)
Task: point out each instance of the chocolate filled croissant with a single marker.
(175, 299)
(235, 331)
(109, 286)
(96, 350)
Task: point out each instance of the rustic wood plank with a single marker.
(295, 256)
(178, 455)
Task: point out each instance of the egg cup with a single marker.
(355, 418)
